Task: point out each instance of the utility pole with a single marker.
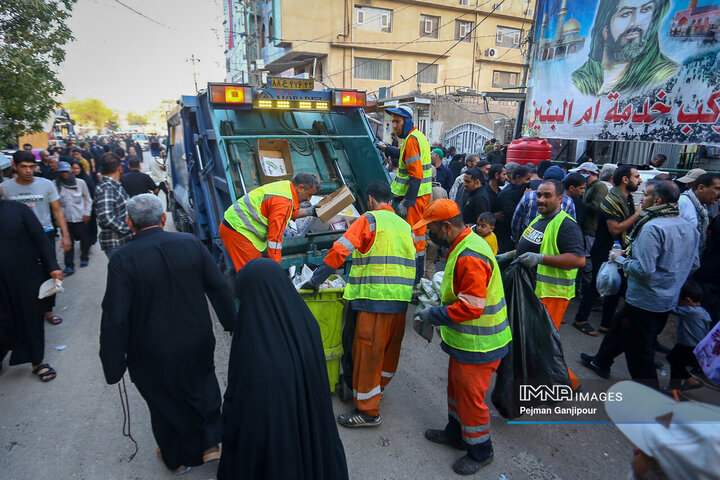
(248, 40)
(194, 60)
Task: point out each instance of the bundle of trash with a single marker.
(429, 291)
(300, 278)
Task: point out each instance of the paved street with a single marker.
(71, 428)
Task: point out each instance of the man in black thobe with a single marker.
(156, 323)
(26, 261)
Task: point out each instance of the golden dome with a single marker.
(571, 25)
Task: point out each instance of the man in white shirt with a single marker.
(41, 196)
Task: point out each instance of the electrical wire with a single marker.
(142, 14)
(331, 42)
(495, 7)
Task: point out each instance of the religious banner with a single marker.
(646, 70)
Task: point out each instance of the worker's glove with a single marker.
(402, 210)
(311, 211)
(505, 257)
(422, 324)
(530, 260)
(311, 286)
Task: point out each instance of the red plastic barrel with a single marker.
(528, 150)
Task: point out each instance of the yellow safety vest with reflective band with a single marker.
(554, 282)
(387, 270)
(245, 215)
(402, 179)
(492, 330)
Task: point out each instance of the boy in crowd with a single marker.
(693, 325)
(485, 228)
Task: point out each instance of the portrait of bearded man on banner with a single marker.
(624, 50)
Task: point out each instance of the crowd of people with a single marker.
(466, 214)
(65, 188)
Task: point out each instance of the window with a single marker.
(372, 68)
(462, 30)
(375, 19)
(429, 26)
(427, 73)
(504, 79)
(508, 37)
(465, 2)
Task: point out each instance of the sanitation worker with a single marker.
(413, 183)
(257, 221)
(379, 289)
(553, 243)
(474, 329)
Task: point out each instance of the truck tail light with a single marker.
(230, 94)
(349, 98)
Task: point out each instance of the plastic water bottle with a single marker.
(615, 248)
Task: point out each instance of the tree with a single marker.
(90, 112)
(136, 119)
(33, 34)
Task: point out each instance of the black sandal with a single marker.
(585, 328)
(48, 374)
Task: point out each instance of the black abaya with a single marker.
(26, 260)
(156, 322)
(278, 421)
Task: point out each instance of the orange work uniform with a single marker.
(469, 373)
(415, 212)
(380, 325)
(279, 211)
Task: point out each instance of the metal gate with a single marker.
(467, 137)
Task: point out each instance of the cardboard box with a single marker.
(334, 203)
(274, 160)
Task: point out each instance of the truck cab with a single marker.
(230, 139)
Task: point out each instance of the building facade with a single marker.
(385, 47)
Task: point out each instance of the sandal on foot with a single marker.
(54, 320)
(585, 328)
(212, 454)
(603, 330)
(44, 372)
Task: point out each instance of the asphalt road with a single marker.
(71, 428)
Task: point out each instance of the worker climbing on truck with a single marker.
(413, 183)
(257, 220)
(379, 290)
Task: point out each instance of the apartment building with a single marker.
(385, 47)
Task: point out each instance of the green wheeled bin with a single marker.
(327, 308)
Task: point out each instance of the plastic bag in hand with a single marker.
(608, 279)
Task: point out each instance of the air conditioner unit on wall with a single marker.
(491, 52)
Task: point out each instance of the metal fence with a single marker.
(467, 137)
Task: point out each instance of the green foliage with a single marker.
(90, 112)
(136, 119)
(33, 34)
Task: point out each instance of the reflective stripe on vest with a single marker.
(492, 330)
(402, 178)
(554, 282)
(387, 270)
(245, 215)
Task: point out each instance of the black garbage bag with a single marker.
(535, 355)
